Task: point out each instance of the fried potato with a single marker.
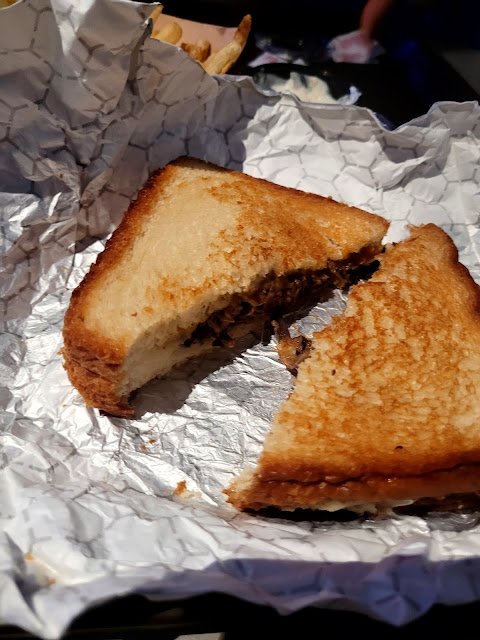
(243, 30)
(221, 61)
(200, 51)
(156, 13)
(171, 32)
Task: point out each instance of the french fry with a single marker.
(200, 51)
(156, 13)
(205, 49)
(221, 61)
(243, 30)
(171, 32)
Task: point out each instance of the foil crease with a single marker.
(89, 105)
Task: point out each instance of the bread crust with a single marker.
(95, 360)
(97, 390)
(369, 489)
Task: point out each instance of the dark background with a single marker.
(134, 617)
(432, 46)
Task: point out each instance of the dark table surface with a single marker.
(135, 617)
(405, 81)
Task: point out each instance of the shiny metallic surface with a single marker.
(87, 504)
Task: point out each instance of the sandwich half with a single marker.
(202, 257)
(386, 410)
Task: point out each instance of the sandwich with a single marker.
(386, 409)
(202, 257)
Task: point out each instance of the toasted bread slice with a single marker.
(202, 250)
(387, 407)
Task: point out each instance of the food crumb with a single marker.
(183, 495)
(29, 557)
(181, 487)
(151, 441)
(51, 581)
(144, 447)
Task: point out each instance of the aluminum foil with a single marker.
(89, 105)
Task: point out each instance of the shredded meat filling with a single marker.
(292, 351)
(276, 296)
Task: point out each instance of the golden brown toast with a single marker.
(202, 250)
(387, 407)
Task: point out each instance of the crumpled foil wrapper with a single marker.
(89, 105)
